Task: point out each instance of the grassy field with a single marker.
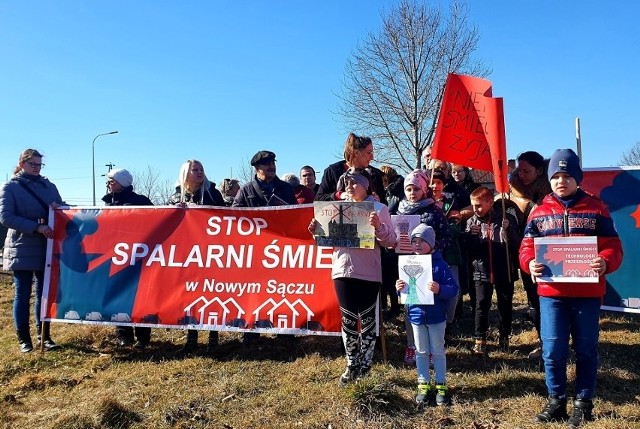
(289, 382)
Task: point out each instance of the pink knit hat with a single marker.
(417, 178)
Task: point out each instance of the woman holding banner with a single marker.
(193, 188)
(356, 275)
(24, 209)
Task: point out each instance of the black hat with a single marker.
(565, 161)
(262, 157)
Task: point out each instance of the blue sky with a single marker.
(220, 80)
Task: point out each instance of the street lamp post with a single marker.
(93, 162)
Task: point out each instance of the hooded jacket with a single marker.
(584, 215)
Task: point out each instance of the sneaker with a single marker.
(349, 375)
(582, 412)
(535, 353)
(442, 395)
(124, 342)
(424, 393)
(410, 356)
(26, 347)
(480, 348)
(555, 410)
(140, 345)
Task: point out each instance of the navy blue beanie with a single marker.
(565, 161)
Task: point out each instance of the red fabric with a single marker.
(470, 128)
(497, 140)
(304, 195)
(461, 131)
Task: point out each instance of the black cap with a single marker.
(262, 157)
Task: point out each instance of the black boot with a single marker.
(556, 409)
(582, 412)
(24, 339)
(192, 342)
(44, 335)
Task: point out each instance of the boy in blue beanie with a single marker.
(570, 310)
(429, 321)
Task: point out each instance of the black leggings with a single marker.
(484, 293)
(357, 299)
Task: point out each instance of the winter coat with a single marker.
(584, 215)
(329, 184)
(460, 195)
(211, 197)
(486, 251)
(527, 196)
(365, 264)
(420, 314)
(432, 215)
(20, 212)
(126, 197)
(395, 193)
(251, 194)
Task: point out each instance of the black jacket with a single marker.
(126, 197)
(327, 189)
(211, 197)
(251, 195)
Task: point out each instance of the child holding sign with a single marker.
(570, 309)
(428, 322)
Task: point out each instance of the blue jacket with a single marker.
(24, 248)
(436, 313)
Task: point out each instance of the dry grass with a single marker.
(91, 383)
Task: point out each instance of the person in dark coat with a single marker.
(24, 210)
(266, 188)
(308, 178)
(358, 153)
(303, 194)
(120, 187)
(193, 188)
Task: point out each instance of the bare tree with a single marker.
(631, 156)
(150, 183)
(394, 81)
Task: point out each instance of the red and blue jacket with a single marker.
(582, 215)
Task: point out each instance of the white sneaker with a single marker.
(535, 353)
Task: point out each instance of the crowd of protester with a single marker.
(479, 243)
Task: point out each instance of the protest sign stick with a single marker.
(506, 240)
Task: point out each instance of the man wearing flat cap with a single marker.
(265, 189)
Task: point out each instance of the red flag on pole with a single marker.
(497, 140)
(470, 128)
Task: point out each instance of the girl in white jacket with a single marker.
(357, 274)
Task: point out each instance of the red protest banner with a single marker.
(462, 125)
(470, 128)
(197, 267)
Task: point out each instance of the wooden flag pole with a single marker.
(506, 239)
